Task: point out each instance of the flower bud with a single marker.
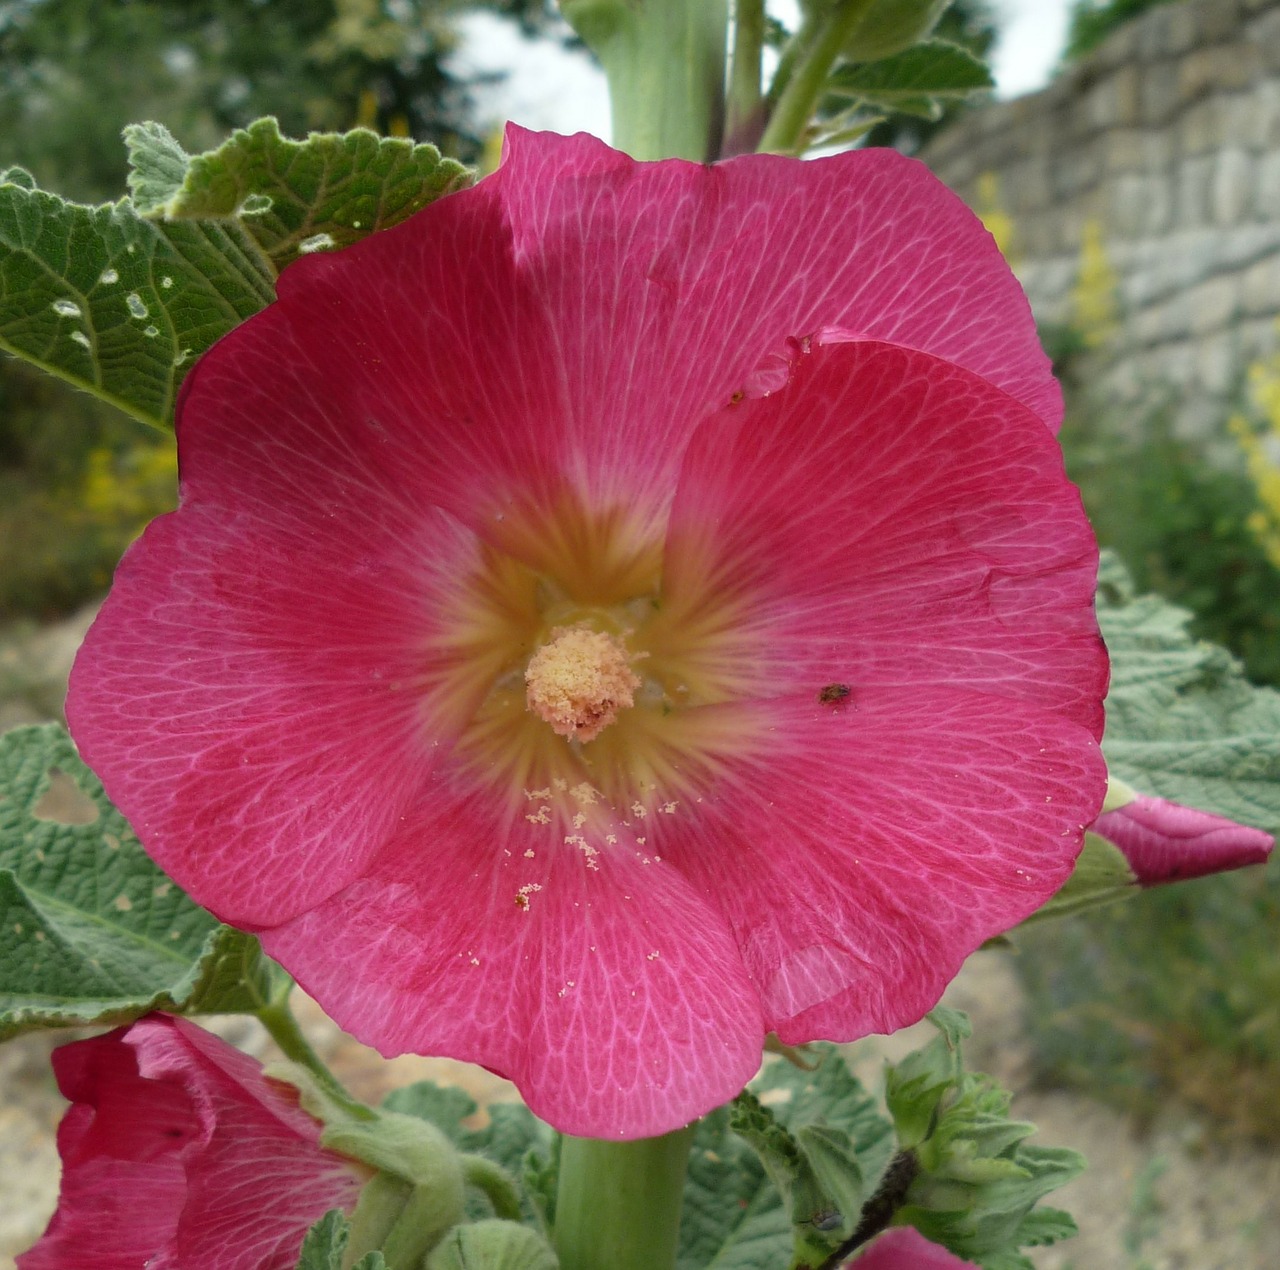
(492, 1245)
(892, 26)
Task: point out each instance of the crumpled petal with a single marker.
(177, 1154)
(891, 520)
(1165, 842)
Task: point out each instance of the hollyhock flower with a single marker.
(624, 610)
(905, 1248)
(1165, 842)
(178, 1153)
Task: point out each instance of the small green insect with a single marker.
(834, 694)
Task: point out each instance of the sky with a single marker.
(549, 88)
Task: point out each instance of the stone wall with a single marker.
(1162, 148)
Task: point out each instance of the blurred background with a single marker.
(1129, 167)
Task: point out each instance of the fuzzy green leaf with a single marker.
(1183, 723)
(117, 305)
(122, 305)
(734, 1217)
(915, 81)
(91, 931)
(331, 189)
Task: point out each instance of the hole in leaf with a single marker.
(64, 802)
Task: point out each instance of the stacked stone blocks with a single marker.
(1168, 138)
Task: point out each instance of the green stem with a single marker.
(744, 108)
(492, 1179)
(665, 63)
(618, 1203)
(276, 1016)
(806, 78)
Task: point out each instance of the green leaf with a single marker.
(1183, 723)
(332, 188)
(114, 304)
(158, 166)
(326, 1242)
(122, 306)
(91, 931)
(914, 81)
(734, 1217)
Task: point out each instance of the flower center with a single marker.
(579, 680)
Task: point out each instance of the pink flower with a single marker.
(177, 1154)
(622, 611)
(1164, 842)
(904, 1248)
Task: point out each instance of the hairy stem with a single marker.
(878, 1211)
(618, 1203)
(818, 47)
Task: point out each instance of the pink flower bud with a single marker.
(178, 1154)
(1165, 842)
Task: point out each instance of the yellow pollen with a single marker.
(579, 681)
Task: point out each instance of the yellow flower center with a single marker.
(577, 684)
(579, 681)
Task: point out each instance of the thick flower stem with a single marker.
(618, 1203)
(745, 108)
(665, 62)
(804, 82)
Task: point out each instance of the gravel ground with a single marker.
(1169, 1199)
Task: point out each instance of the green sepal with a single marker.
(814, 1130)
(91, 930)
(977, 1182)
(417, 1191)
(492, 1245)
(513, 1144)
(916, 1087)
(325, 1246)
(817, 1217)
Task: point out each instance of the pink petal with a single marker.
(616, 1000)
(905, 1248)
(891, 520)
(573, 317)
(1164, 842)
(177, 1153)
(866, 849)
(260, 1178)
(256, 692)
(123, 1185)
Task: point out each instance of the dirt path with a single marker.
(1170, 1200)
